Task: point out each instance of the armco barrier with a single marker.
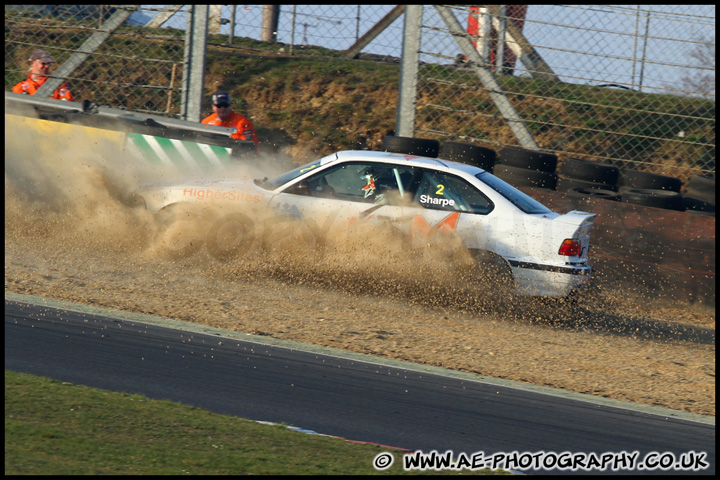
(158, 140)
(646, 250)
(171, 151)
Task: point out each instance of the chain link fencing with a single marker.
(302, 29)
(140, 69)
(632, 86)
(131, 68)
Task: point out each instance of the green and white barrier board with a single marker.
(178, 153)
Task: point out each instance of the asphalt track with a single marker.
(331, 392)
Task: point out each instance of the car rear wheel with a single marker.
(492, 272)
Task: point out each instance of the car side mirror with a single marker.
(301, 188)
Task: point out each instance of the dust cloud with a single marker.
(75, 232)
(78, 193)
(79, 190)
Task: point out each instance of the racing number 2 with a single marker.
(440, 189)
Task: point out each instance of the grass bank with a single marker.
(58, 428)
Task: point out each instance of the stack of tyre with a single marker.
(651, 190)
(700, 194)
(470, 154)
(525, 167)
(662, 191)
(635, 186)
(535, 168)
(585, 177)
(423, 147)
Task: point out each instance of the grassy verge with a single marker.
(57, 428)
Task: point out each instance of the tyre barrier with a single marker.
(666, 199)
(529, 159)
(524, 177)
(412, 146)
(695, 204)
(565, 184)
(597, 193)
(650, 181)
(702, 187)
(470, 154)
(586, 170)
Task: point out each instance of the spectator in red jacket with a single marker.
(40, 62)
(224, 116)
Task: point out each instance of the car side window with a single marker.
(440, 191)
(359, 182)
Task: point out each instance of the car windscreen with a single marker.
(521, 200)
(273, 183)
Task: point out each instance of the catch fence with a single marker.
(630, 85)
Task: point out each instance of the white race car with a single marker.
(544, 253)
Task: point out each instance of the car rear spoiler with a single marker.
(583, 220)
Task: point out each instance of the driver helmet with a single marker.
(369, 177)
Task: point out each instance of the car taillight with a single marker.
(570, 247)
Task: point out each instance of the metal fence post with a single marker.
(292, 29)
(501, 37)
(194, 71)
(232, 24)
(376, 30)
(271, 16)
(405, 123)
(87, 49)
(481, 66)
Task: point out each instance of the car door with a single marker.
(448, 213)
(351, 200)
